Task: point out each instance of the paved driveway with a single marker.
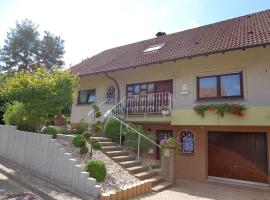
(9, 187)
(206, 191)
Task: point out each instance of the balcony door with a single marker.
(164, 86)
(148, 98)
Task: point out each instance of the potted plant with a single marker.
(164, 110)
(59, 120)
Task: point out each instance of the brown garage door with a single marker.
(236, 155)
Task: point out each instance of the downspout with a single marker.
(117, 86)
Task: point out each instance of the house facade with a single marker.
(219, 67)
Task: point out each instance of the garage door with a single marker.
(236, 155)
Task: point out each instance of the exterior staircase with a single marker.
(133, 166)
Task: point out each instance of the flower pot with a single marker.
(165, 112)
(59, 120)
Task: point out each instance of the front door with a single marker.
(162, 136)
(235, 155)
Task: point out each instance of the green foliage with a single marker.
(79, 141)
(84, 150)
(94, 128)
(221, 109)
(96, 169)
(132, 138)
(50, 131)
(171, 142)
(80, 128)
(42, 93)
(25, 50)
(86, 135)
(95, 144)
(112, 129)
(16, 114)
(63, 131)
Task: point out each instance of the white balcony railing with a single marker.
(143, 104)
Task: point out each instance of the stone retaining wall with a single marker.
(45, 157)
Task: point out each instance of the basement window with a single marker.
(154, 48)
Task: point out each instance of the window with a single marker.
(220, 86)
(86, 96)
(186, 140)
(154, 48)
(140, 88)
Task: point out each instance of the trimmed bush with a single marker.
(86, 135)
(64, 131)
(81, 127)
(79, 141)
(96, 145)
(84, 150)
(112, 129)
(96, 169)
(17, 115)
(50, 131)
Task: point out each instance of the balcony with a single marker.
(144, 104)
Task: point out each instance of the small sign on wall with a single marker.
(184, 89)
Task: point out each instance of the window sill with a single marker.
(220, 100)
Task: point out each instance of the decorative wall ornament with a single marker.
(184, 89)
(187, 142)
(110, 93)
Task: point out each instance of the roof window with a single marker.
(154, 48)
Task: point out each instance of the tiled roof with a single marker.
(242, 32)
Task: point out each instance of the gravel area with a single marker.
(117, 176)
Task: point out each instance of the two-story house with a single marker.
(158, 82)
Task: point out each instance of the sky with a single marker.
(91, 26)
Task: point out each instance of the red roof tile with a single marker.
(242, 32)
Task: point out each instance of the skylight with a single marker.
(154, 48)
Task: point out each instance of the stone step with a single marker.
(137, 169)
(111, 148)
(155, 180)
(122, 158)
(103, 139)
(116, 153)
(107, 143)
(145, 175)
(131, 163)
(162, 186)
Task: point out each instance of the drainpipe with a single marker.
(117, 86)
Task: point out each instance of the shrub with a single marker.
(96, 145)
(50, 131)
(64, 131)
(80, 127)
(42, 93)
(86, 135)
(96, 169)
(16, 115)
(131, 138)
(112, 129)
(84, 150)
(79, 141)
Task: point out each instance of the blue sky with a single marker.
(91, 26)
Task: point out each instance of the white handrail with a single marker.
(136, 131)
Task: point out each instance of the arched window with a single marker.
(187, 142)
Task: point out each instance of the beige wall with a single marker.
(255, 64)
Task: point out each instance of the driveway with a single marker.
(9, 188)
(188, 190)
(16, 181)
